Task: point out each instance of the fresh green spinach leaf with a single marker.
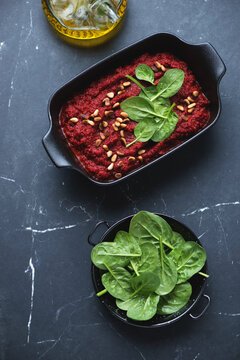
(144, 72)
(144, 284)
(177, 239)
(139, 108)
(113, 255)
(117, 282)
(148, 227)
(170, 83)
(165, 127)
(148, 261)
(140, 308)
(144, 131)
(127, 244)
(167, 273)
(176, 300)
(189, 258)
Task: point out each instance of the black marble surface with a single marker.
(48, 309)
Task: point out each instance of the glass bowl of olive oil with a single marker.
(84, 19)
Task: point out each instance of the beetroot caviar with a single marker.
(97, 130)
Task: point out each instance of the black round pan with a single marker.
(198, 282)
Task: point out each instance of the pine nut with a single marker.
(120, 163)
(117, 123)
(105, 124)
(120, 92)
(118, 175)
(126, 120)
(190, 99)
(187, 101)
(108, 112)
(107, 133)
(119, 119)
(157, 64)
(107, 102)
(195, 93)
(110, 95)
(190, 110)
(123, 140)
(191, 105)
(109, 153)
(74, 120)
(131, 158)
(97, 118)
(120, 153)
(102, 136)
(110, 167)
(115, 128)
(100, 127)
(114, 158)
(163, 68)
(116, 105)
(124, 114)
(185, 118)
(98, 142)
(123, 125)
(121, 133)
(180, 107)
(96, 112)
(90, 122)
(105, 147)
(140, 158)
(121, 87)
(142, 151)
(126, 83)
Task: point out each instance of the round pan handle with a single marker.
(196, 317)
(94, 229)
(53, 149)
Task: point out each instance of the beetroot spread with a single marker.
(97, 130)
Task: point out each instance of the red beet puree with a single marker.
(98, 140)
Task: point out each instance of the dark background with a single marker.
(48, 309)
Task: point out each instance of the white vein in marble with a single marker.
(44, 231)
(32, 269)
(201, 210)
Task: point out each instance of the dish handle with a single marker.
(94, 229)
(53, 149)
(196, 317)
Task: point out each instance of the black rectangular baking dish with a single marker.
(203, 60)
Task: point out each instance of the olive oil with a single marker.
(84, 19)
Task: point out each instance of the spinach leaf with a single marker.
(148, 227)
(144, 284)
(148, 261)
(144, 72)
(138, 108)
(177, 240)
(113, 255)
(117, 282)
(108, 253)
(127, 243)
(174, 301)
(151, 92)
(189, 258)
(170, 83)
(140, 308)
(144, 131)
(167, 273)
(165, 127)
